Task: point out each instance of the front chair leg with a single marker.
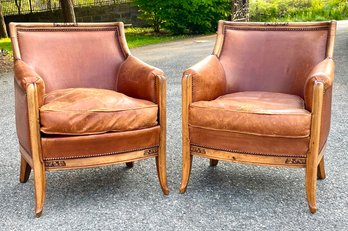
(40, 188)
(311, 186)
(25, 171)
(321, 170)
(186, 167)
(161, 170)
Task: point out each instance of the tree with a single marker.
(68, 11)
(240, 10)
(18, 5)
(3, 31)
(152, 11)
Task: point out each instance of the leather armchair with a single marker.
(263, 97)
(82, 100)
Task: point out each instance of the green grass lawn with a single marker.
(136, 37)
(5, 44)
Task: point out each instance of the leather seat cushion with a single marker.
(248, 143)
(85, 111)
(255, 113)
(70, 147)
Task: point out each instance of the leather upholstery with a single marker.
(72, 57)
(325, 72)
(25, 75)
(22, 125)
(60, 58)
(208, 79)
(254, 94)
(248, 143)
(81, 111)
(256, 113)
(281, 60)
(66, 147)
(138, 79)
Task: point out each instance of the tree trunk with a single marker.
(3, 31)
(68, 11)
(18, 5)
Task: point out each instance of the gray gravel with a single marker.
(230, 196)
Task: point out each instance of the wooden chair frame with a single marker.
(313, 162)
(40, 166)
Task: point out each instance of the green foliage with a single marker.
(152, 12)
(185, 16)
(196, 16)
(298, 10)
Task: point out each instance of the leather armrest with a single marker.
(25, 75)
(208, 79)
(325, 72)
(138, 79)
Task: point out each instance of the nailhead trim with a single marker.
(99, 154)
(275, 28)
(251, 153)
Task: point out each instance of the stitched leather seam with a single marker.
(93, 133)
(250, 133)
(73, 29)
(100, 154)
(305, 112)
(66, 29)
(274, 28)
(97, 111)
(251, 153)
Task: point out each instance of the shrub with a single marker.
(185, 16)
(196, 16)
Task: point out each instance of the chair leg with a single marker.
(161, 170)
(311, 186)
(321, 170)
(186, 166)
(213, 162)
(40, 189)
(130, 164)
(25, 171)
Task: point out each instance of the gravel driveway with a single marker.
(228, 197)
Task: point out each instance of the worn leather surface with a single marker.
(25, 75)
(72, 57)
(253, 112)
(208, 79)
(81, 111)
(138, 79)
(248, 143)
(324, 72)
(22, 119)
(62, 147)
(275, 61)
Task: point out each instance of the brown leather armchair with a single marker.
(263, 97)
(82, 100)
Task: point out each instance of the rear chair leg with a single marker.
(130, 164)
(321, 170)
(25, 171)
(213, 162)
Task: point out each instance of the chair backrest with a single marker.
(274, 57)
(71, 55)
